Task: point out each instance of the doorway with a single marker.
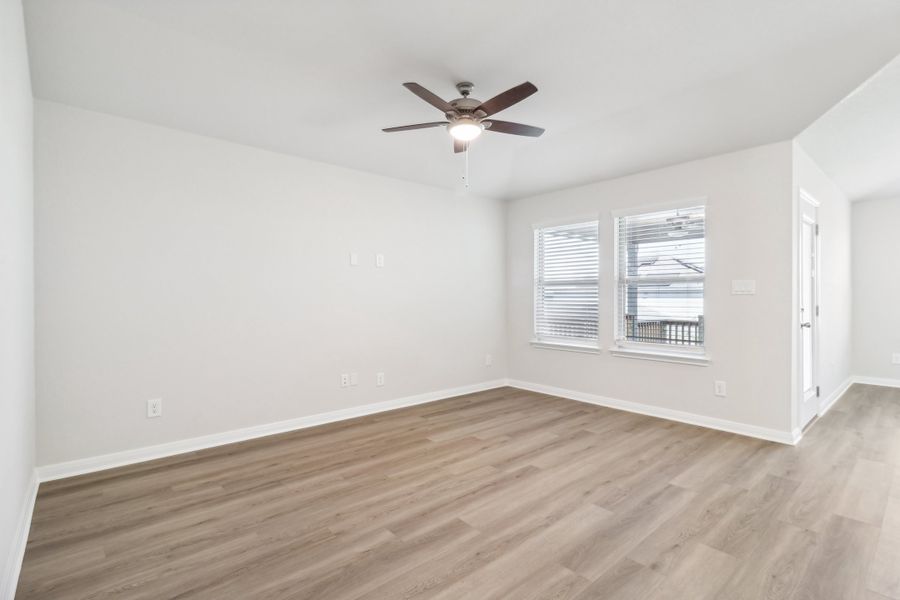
(809, 308)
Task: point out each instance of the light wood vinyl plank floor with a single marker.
(501, 494)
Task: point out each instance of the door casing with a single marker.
(808, 400)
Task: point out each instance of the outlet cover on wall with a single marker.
(721, 390)
(354, 259)
(488, 360)
(379, 260)
(895, 358)
(379, 378)
(345, 379)
(154, 408)
(354, 378)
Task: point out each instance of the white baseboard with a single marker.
(137, 455)
(17, 544)
(882, 381)
(826, 404)
(772, 435)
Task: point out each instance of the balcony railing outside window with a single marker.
(664, 331)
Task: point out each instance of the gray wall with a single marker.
(216, 276)
(749, 236)
(16, 288)
(876, 288)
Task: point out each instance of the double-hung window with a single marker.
(565, 284)
(660, 271)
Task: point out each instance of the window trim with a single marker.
(565, 344)
(574, 220)
(688, 202)
(696, 355)
(589, 345)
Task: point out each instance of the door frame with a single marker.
(807, 201)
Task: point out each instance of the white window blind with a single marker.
(661, 272)
(565, 297)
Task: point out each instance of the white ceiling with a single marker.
(857, 143)
(624, 86)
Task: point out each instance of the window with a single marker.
(565, 284)
(661, 270)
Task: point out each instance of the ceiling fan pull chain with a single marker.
(467, 165)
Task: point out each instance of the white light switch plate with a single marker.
(379, 260)
(354, 259)
(895, 358)
(743, 287)
(721, 390)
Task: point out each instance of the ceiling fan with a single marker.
(468, 117)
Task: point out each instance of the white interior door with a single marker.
(809, 389)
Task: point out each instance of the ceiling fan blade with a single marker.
(417, 126)
(460, 146)
(507, 98)
(429, 97)
(513, 128)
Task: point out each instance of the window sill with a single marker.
(566, 346)
(685, 358)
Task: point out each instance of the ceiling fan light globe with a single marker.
(466, 131)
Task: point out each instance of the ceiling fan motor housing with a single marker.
(465, 104)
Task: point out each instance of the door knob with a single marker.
(805, 324)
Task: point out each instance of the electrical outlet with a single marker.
(720, 389)
(345, 379)
(488, 360)
(379, 378)
(354, 378)
(895, 358)
(379, 260)
(154, 408)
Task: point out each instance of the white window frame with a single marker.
(552, 343)
(693, 355)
